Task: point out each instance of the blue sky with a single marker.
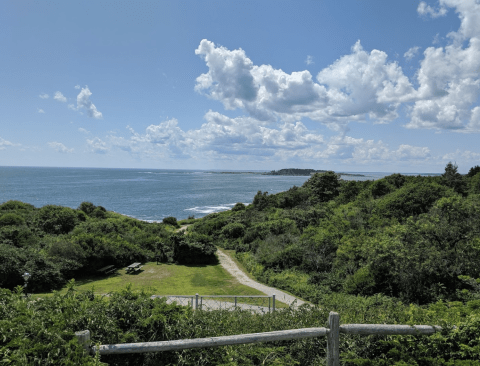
(344, 85)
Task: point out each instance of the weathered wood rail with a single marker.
(332, 333)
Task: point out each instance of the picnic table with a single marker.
(134, 267)
(107, 269)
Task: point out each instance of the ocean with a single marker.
(145, 194)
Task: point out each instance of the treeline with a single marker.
(55, 243)
(409, 237)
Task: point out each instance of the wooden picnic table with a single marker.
(106, 268)
(133, 267)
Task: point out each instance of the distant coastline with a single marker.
(291, 172)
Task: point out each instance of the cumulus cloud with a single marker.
(41, 110)
(77, 86)
(424, 9)
(360, 85)
(59, 147)
(4, 143)
(449, 81)
(97, 146)
(44, 96)
(309, 60)
(83, 130)
(411, 53)
(84, 102)
(60, 97)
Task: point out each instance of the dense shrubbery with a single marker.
(41, 331)
(56, 243)
(403, 236)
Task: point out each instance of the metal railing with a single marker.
(258, 304)
(332, 333)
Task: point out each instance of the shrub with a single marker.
(56, 219)
(410, 200)
(193, 249)
(16, 205)
(233, 230)
(171, 221)
(87, 207)
(239, 206)
(11, 219)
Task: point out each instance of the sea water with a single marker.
(145, 194)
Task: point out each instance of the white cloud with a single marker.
(424, 9)
(361, 85)
(356, 86)
(83, 130)
(449, 81)
(44, 96)
(60, 97)
(462, 156)
(59, 147)
(469, 14)
(247, 139)
(4, 143)
(41, 110)
(97, 146)
(411, 53)
(77, 86)
(309, 60)
(83, 101)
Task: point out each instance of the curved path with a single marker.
(232, 268)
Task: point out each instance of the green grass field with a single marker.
(169, 279)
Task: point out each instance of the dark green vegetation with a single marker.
(55, 244)
(401, 249)
(41, 331)
(413, 238)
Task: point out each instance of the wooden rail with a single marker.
(332, 333)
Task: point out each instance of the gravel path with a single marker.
(236, 272)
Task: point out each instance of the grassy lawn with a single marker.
(170, 279)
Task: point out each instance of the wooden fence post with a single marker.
(333, 356)
(83, 337)
(196, 301)
(273, 302)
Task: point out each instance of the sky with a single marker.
(351, 85)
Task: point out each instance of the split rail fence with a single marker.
(332, 333)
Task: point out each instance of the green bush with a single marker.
(193, 249)
(56, 219)
(411, 200)
(16, 205)
(239, 206)
(233, 230)
(87, 207)
(171, 221)
(11, 219)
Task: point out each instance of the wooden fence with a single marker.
(332, 333)
(197, 301)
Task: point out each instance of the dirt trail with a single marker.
(231, 267)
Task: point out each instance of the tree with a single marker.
(473, 171)
(56, 219)
(453, 179)
(325, 186)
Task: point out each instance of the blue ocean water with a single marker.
(145, 194)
